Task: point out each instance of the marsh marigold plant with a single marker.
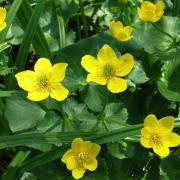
(44, 81)
(108, 68)
(80, 157)
(157, 134)
(2, 18)
(119, 32)
(151, 12)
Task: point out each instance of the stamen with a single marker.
(155, 139)
(108, 70)
(43, 83)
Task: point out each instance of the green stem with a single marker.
(176, 8)
(167, 34)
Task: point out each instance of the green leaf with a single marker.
(170, 166)
(100, 173)
(121, 150)
(138, 75)
(97, 97)
(78, 117)
(169, 83)
(16, 163)
(115, 116)
(22, 114)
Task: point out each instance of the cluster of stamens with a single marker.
(108, 71)
(43, 83)
(81, 157)
(155, 139)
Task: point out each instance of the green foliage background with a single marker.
(34, 135)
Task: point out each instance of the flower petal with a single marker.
(59, 92)
(146, 132)
(145, 142)
(151, 121)
(78, 173)
(71, 163)
(161, 150)
(159, 8)
(2, 14)
(125, 65)
(89, 63)
(58, 72)
(116, 85)
(106, 55)
(97, 79)
(92, 148)
(171, 140)
(95, 149)
(67, 155)
(167, 122)
(91, 164)
(3, 26)
(37, 95)
(26, 80)
(77, 144)
(43, 65)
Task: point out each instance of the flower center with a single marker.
(155, 139)
(108, 71)
(81, 158)
(43, 83)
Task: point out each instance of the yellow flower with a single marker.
(119, 32)
(107, 68)
(2, 18)
(158, 134)
(44, 81)
(151, 12)
(80, 157)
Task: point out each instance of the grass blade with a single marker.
(28, 36)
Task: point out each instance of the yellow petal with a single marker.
(78, 173)
(37, 95)
(145, 142)
(95, 149)
(58, 72)
(43, 66)
(3, 26)
(128, 29)
(67, 155)
(146, 132)
(91, 164)
(161, 150)
(71, 163)
(116, 85)
(89, 63)
(171, 140)
(159, 8)
(115, 27)
(97, 79)
(167, 122)
(26, 80)
(77, 144)
(59, 92)
(122, 35)
(92, 148)
(2, 14)
(151, 121)
(125, 65)
(106, 55)
(148, 5)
